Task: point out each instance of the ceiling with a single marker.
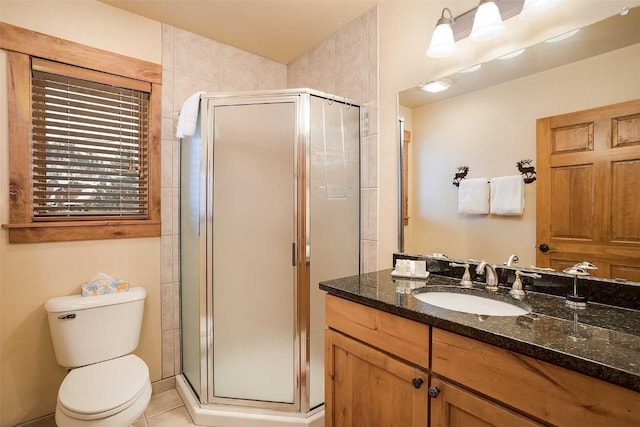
(615, 32)
(280, 30)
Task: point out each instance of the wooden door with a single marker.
(366, 387)
(455, 407)
(588, 195)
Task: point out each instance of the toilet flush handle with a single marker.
(67, 316)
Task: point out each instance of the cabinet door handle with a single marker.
(417, 382)
(434, 391)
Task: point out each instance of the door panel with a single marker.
(366, 387)
(253, 231)
(572, 183)
(625, 199)
(587, 195)
(455, 407)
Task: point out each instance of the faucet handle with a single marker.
(465, 282)
(516, 289)
(531, 274)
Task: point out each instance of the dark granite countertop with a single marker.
(601, 341)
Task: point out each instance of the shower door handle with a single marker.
(293, 254)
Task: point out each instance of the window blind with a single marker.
(90, 149)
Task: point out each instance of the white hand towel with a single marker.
(507, 195)
(473, 196)
(188, 116)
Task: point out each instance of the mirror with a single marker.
(487, 121)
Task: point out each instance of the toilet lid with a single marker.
(103, 387)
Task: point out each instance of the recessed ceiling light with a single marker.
(562, 36)
(512, 54)
(471, 69)
(436, 85)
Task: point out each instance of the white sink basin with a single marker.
(468, 303)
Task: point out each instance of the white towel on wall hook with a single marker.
(188, 116)
(473, 196)
(507, 195)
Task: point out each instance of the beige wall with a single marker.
(489, 131)
(405, 28)
(32, 273)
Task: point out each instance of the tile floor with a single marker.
(165, 409)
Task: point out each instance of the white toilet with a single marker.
(93, 336)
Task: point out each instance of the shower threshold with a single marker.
(224, 416)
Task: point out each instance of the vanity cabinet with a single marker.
(378, 367)
(544, 391)
(456, 407)
(366, 387)
(375, 367)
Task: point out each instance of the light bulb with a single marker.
(442, 43)
(487, 23)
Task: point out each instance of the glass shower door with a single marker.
(253, 276)
(334, 216)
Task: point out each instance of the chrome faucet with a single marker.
(513, 259)
(490, 271)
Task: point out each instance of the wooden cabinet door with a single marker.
(454, 407)
(587, 192)
(366, 387)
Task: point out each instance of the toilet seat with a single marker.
(103, 389)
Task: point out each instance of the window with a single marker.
(89, 151)
(83, 142)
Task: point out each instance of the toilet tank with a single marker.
(92, 329)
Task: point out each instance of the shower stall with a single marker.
(269, 206)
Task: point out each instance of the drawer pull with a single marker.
(434, 391)
(417, 382)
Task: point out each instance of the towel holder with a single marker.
(460, 175)
(527, 170)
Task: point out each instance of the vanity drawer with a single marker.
(404, 338)
(550, 393)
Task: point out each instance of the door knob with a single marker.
(434, 391)
(417, 382)
(545, 248)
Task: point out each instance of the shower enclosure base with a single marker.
(225, 416)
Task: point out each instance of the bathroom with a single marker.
(366, 50)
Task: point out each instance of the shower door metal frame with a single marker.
(301, 98)
(300, 324)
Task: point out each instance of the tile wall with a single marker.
(192, 63)
(344, 64)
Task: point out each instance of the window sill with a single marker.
(40, 232)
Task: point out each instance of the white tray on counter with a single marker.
(409, 276)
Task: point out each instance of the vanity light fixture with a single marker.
(442, 43)
(513, 54)
(436, 86)
(535, 9)
(563, 36)
(487, 23)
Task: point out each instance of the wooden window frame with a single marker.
(22, 45)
